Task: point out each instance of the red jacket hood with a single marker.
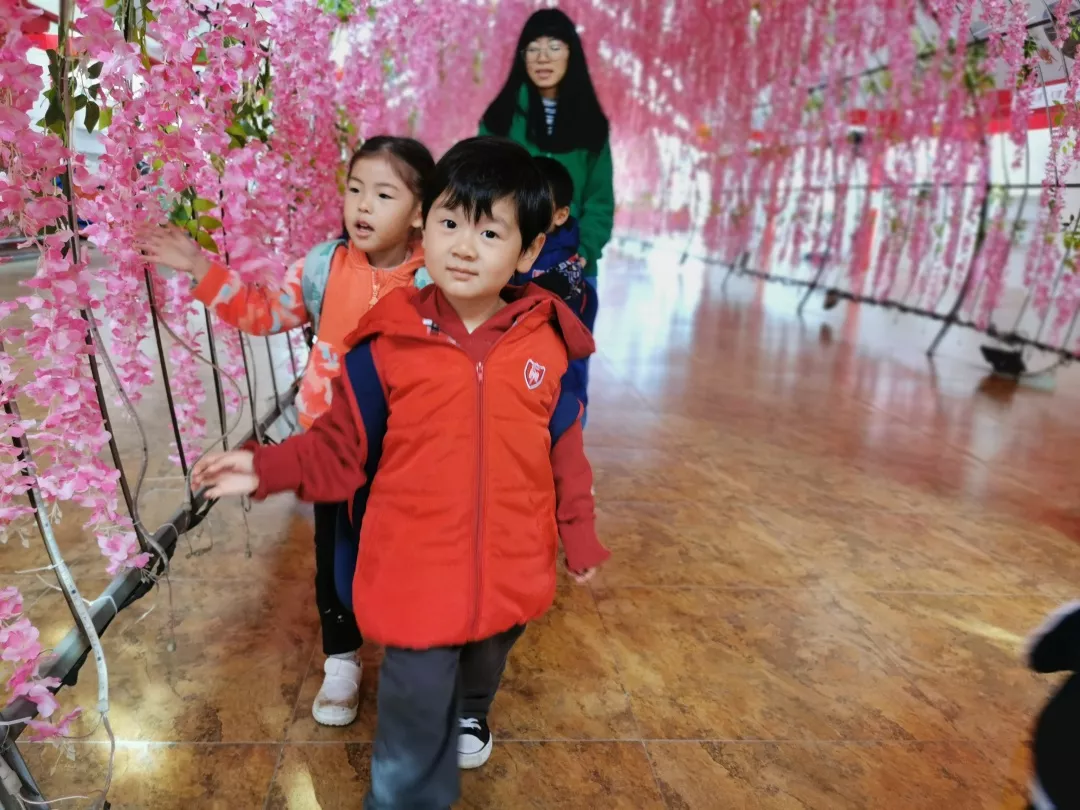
(400, 312)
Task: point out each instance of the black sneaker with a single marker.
(474, 743)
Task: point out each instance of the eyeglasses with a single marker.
(554, 50)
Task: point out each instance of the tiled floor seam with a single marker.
(292, 719)
(530, 741)
(630, 704)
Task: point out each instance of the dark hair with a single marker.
(411, 159)
(478, 172)
(562, 184)
(579, 119)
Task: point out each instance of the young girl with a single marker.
(331, 288)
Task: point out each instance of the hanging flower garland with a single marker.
(780, 86)
(205, 121)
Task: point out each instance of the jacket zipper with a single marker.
(478, 557)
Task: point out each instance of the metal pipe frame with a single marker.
(126, 588)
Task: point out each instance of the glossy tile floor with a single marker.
(828, 552)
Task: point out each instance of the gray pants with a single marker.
(421, 695)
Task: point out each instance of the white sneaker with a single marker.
(474, 743)
(339, 697)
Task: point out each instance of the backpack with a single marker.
(360, 372)
(316, 274)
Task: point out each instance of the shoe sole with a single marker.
(468, 762)
(336, 719)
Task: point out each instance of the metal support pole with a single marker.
(954, 311)
(251, 390)
(165, 371)
(218, 389)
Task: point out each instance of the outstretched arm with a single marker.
(258, 309)
(325, 464)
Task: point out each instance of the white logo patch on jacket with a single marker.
(534, 374)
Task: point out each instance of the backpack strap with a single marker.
(422, 278)
(316, 274)
(363, 378)
(567, 410)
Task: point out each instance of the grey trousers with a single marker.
(422, 693)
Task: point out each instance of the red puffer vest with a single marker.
(459, 539)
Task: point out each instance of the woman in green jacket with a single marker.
(549, 106)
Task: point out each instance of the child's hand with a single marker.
(173, 248)
(231, 473)
(584, 576)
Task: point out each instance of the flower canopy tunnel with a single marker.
(912, 153)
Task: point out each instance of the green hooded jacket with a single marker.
(594, 189)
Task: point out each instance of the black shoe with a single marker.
(474, 742)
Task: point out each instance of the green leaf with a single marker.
(92, 114)
(95, 70)
(207, 241)
(191, 225)
(80, 102)
(53, 114)
(203, 205)
(94, 90)
(105, 119)
(209, 223)
(158, 164)
(54, 66)
(372, 13)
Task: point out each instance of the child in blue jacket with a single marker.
(559, 268)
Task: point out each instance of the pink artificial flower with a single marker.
(19, 641)
(23, 673)
(41, 730)
(46, 209)
(10, 603)
(122, 549)
(39, 693)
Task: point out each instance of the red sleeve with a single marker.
(574, 504)
(325, 464)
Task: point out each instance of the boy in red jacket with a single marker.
(480, 469)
